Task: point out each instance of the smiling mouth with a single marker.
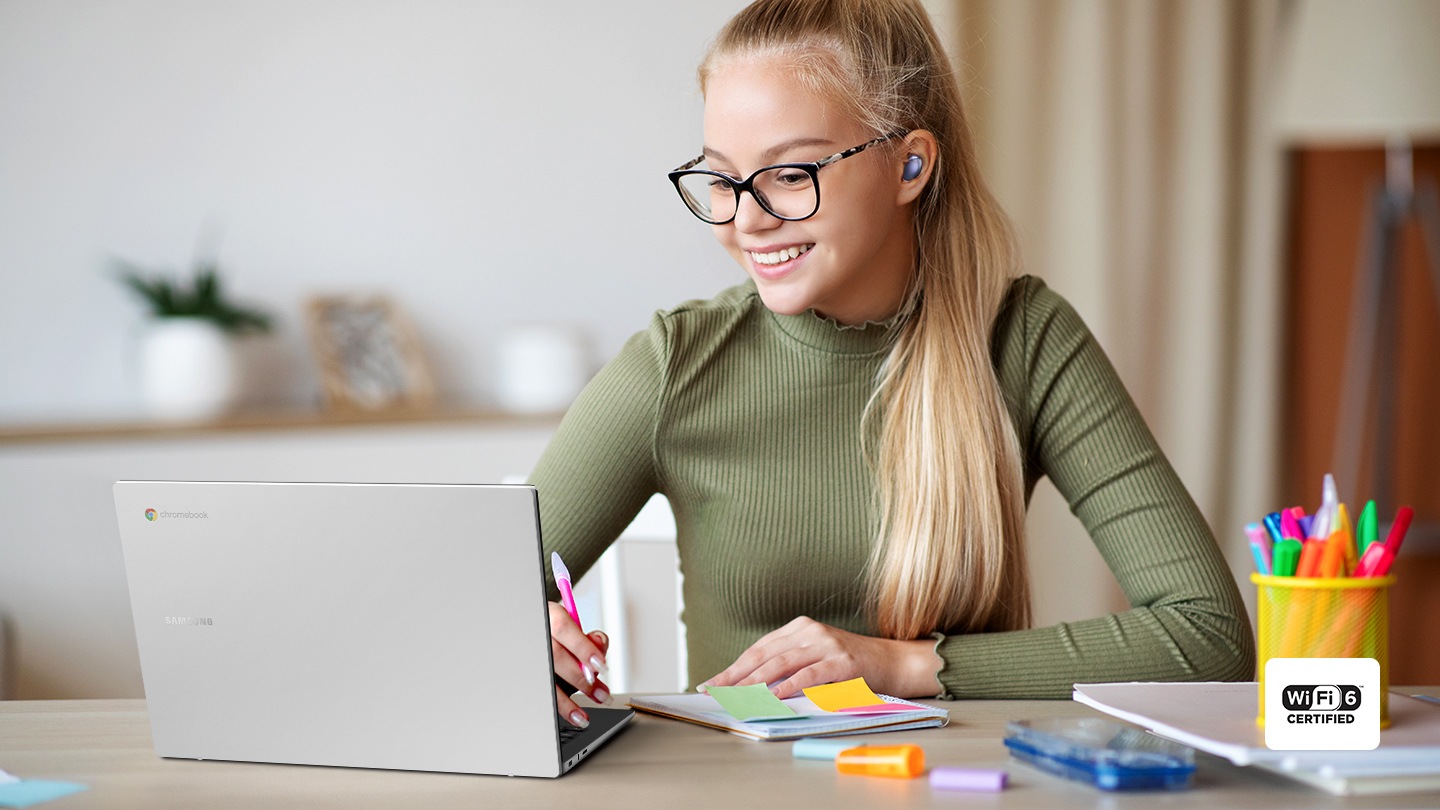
(778, 256)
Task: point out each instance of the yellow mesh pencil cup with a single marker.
(1341, 617)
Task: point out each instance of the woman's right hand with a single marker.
(579, 660)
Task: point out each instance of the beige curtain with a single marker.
(1130, 141)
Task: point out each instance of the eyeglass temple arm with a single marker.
(855, 149)
(692, 164)
(821, 162)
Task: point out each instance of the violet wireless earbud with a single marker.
(912, 167)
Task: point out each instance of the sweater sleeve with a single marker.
(599, 468)
(1078, 425)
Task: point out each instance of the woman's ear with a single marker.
(918, 153)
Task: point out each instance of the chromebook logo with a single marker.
(152, 515)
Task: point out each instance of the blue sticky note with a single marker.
(29, 792)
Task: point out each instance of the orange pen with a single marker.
(903, 761)
(1310, 554)
(1296, 637)
(1347, 535)
(1332, 557)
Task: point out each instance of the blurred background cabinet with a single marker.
(65, 621)
(1328, 218)
(63, 599)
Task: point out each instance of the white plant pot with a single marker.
(187, 369)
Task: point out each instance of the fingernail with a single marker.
(602, 695)
(704, 687)
(599, 664)
(579, 720)
(589, 674)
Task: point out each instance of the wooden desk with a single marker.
(655, 763)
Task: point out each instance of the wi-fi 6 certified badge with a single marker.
(1322, 704)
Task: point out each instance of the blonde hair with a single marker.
(950, 551)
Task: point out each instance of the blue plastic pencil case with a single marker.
(1102, 753)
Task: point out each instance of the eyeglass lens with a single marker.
(786, 192)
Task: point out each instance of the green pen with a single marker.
(1368, 529)
(1285, 556)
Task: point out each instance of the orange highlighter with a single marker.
(1332, 555)
(1338, 548)
(900, 761)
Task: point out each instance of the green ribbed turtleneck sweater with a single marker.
(749, 422)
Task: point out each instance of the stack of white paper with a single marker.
(1219, 718)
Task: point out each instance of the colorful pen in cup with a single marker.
(1378, 558)
(1259, 547)
(1286, 557)
(1367, 529)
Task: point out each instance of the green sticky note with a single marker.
(753, 702)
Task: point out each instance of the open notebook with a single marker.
(811, 720)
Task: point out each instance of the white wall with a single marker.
(485, 162)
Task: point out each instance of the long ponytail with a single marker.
(949, 555)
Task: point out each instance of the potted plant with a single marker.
(187, 362)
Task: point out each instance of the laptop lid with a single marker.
(365, 625)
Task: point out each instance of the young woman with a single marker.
(849, 440)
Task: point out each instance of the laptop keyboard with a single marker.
(574, 742)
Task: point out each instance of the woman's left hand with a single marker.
(807, 653)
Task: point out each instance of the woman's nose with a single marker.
(750, 216)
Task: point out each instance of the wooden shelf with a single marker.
(264, 420)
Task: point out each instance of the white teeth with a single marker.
(779, 256)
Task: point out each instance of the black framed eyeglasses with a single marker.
(788, 191)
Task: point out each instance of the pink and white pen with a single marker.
(596, 666)
(562, 581)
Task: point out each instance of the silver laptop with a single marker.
(363, 625)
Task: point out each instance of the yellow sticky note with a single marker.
(836, 697)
